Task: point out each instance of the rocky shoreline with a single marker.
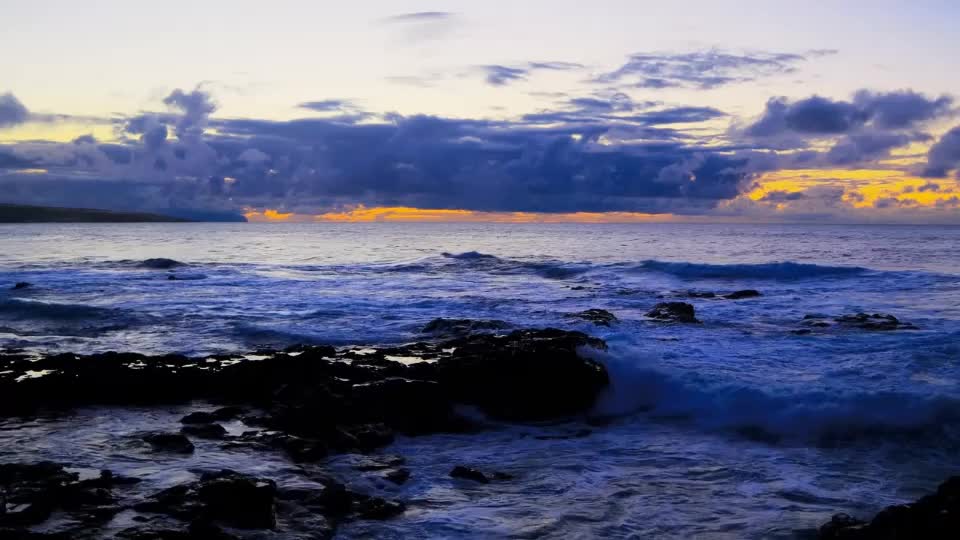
(307, 401)
(311, 402)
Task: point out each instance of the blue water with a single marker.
(733, 428)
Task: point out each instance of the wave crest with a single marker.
(785, 270)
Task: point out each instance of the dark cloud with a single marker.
(605, 156)
(822, 116)
(944, 155)
(901, 109)
(703, 70)
(497, 75)
(12, 112)
(783, 196)
(860, 147)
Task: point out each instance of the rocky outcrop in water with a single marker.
(859, 321)
(681, 312)
(462, 327)
(599, 317)
(933, 517)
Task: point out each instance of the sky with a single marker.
(296, 110)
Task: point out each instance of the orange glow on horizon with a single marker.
(404, 214)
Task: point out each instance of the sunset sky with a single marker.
(534, 111)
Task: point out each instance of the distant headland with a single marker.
(16, 213)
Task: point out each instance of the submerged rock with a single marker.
(160, 263)
(599, 317)
(673, 312)
(469, 473)
(859, 321)
(169, 442)
(462, 327)
(226, 496)
(20, 285)
(737, 295)
(935, 516)
(204, 431)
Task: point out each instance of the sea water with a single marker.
(736, 427)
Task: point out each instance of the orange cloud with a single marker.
(863, 187)
(404, 214)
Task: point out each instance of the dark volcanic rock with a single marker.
(204, 431)
(31, 493)
(226, 496)
(160, 263)
(876, 321)
(525, 375)
(737, 295)
(462, 327)
(169, 442)
(599, 317)
(397, 476)
(469, 473)
(20, 285)
(673, 312)
(935, 516)
(859, 321)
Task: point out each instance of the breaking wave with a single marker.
(775, 270)
(819, 416)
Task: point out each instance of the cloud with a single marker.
(420, 27)
(498, 75)
(420, 17)
(594, 161)
(12, 112)
(328, 105)
(818, 115)
(944, 155)
(703, 70)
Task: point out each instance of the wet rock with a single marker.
(226, 496)
(377, 508)
(31, 493)
(160, 263)
(599, 317)
(397, 476)
(875, 321)
(169, 442)
(738, 295)
(935, 516)
(469, 473)
(20, 285)
(700, 294)
(462, 327)
(673, 312)
(859, 321)
(376, 463)
(204, 431)
(525, 375)
(198, 417)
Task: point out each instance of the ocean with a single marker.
(753, 424)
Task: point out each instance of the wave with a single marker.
(550, 269)
(30, 309)
(821, 416)
(786, 270)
